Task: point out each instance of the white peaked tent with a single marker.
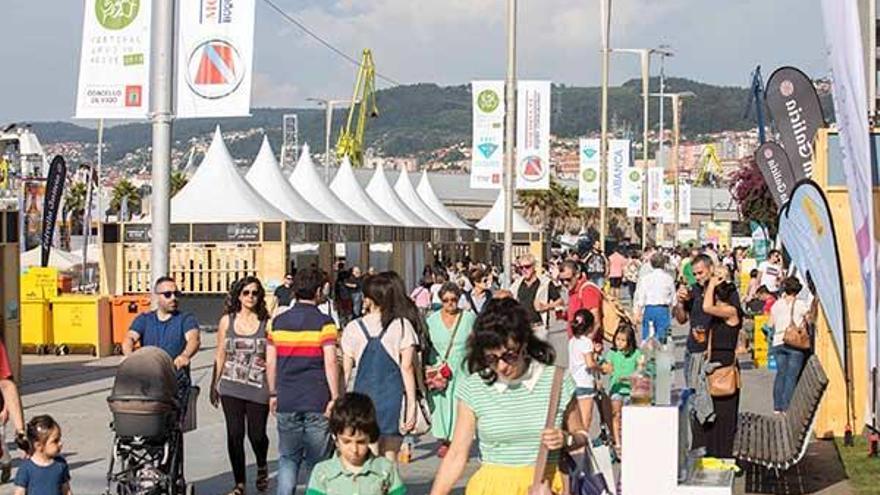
(218, 193)
(265, 176)
(381, 192)
(309, 185)
(405, 190)
(427, 195)
(494, 220)
(347, 189)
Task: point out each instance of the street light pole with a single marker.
(328, 124)
(676, 136)
(161, 79)
(661, 137)
(509, 123)
(605, 17)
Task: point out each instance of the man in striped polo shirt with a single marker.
(303, 378)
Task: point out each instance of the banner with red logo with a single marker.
(215, 48)
(114, 67)
(533, 135)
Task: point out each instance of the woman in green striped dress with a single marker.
(504, 402)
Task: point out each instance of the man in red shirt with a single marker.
(582, 294)
(10, 405)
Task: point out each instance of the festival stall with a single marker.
(526, 238)
(467, 243)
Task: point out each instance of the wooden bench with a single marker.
(780, 441)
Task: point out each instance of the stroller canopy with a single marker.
(148, 374)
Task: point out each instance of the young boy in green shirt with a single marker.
(354, 469)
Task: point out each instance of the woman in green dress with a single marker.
(449, 329)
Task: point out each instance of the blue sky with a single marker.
(442, 41)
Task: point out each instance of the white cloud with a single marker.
(267, 92)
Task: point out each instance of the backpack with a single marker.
(379, 377)
(612, 314)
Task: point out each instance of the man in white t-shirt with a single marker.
(771, 273)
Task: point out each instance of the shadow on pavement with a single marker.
(819, 470)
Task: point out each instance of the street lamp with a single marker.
(328, 122)
(645, 56)
(605, 29)
(509, 123)
(676, 134)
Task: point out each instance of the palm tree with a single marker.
(178, 181)
(75, 205)
(124, 190)
(556, 209)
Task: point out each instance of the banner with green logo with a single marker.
(633, 189)
(588, 177)
(488, 134)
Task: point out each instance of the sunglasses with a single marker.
(168, 294)
(526, 267)
(450, 299)
(509, 357)
(248, 293)
(565, 280)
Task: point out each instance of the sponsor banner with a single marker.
(634, 181)
(619, 161)
(31, 203)
(533, 135)
(215, 52)
(794, 105)
(51, 204)
(588, 178)
(114, 66)
(655, 192)
(684, 203)
(776, 168)
(844, 42)
(487, 156)
(807, 231)
(667, 195)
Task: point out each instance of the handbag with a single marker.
(539, 486)
(585, 475)
(423, 413)
(723, 381)
(796, 336)
(437, 377)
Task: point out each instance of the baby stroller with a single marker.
(147, 456)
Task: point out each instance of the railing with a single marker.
(197, 268)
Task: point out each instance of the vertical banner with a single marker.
(655, 192)
(684, 203)
(667, 193)
(588, 178)
(215, 53)
(776, 168)
(51, 204)
(533, 135)
(634, 183)
(619, 161)
(114, 68)
(4, 173)
(794, 105)
(488, 134)
(844, 42)
(33, 196)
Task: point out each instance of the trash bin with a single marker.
(123, 310)
(36, 326)
(81, 325)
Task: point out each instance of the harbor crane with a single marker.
(351, 139)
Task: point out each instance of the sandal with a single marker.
(238, 490)
(262, 482)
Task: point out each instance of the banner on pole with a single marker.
(794, 105)
(588, 178)
(776, 168)
(533, 135)
(655, 192)
(684, 203)
(844, 42)
(114, 64)
(634, 183)
(215, 53)
(487, 161)
(668, 203)
(619, 161)
(51, 204)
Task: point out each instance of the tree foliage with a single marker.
(124, 190)
(555, 210)
(178, 181)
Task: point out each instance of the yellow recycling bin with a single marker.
(36, 326)
(761, 346)
(81, 325)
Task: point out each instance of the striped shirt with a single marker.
(510, 417)
(299, 336)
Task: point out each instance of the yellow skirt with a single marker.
(495, 479)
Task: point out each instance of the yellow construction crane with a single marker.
(710, 167)
(351, 143)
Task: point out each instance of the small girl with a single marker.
(621, 363)
(355, 469)
(44, 472)
(582, 363)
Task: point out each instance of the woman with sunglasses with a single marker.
(449, 329)
(503, 402)
(239, 379)
(476, 298)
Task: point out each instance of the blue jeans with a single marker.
(303, 441)
(789, 362)
(662, 320)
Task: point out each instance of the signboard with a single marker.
(588, 176)
(667, 203)
(634, 181)
(655, 192)
(684, 203)
(114, 67)
(215, 49)
(717, 233)
(776, 168)
(533, 135)
(795, 108)
(619, 161)
(488, 134)
(39, 283)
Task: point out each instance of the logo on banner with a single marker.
(216, 69)
(116, 14)
(531, 169)
(589, 175)
(133, 96)
(786, 88)
(634, 176)
(488, 101)
(216, 11)
(589, 152)
(487, 149)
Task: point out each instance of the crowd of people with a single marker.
(351, 368)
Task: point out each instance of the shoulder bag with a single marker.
(796, 336)
(723, 381)
(539, 486)
(437, 377)
(423, 412)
